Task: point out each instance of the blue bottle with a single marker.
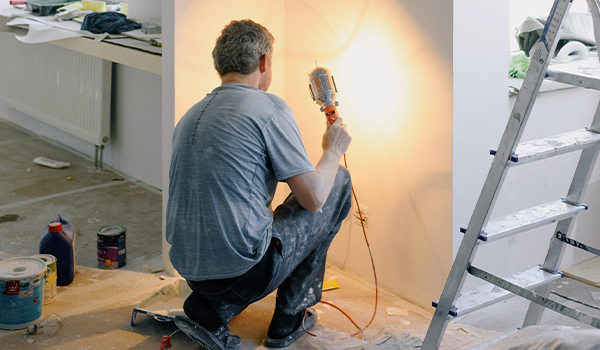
(58, 239)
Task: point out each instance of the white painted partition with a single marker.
(168, 117)
(480, 105)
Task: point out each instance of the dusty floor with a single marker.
(97, 306)
(509, 315)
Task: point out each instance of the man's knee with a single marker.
(343, 190)
(343, 184)
(342, 178)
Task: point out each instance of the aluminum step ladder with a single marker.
(533, 284)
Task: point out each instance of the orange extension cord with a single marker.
(360, 330)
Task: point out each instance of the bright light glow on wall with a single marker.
(369, 73)
(373, 80)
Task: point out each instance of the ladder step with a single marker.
(489, 294)
(551, 146)
(586, 81)
(528, 219)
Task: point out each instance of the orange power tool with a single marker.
(323, 91)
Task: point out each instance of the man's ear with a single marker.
(263, 63)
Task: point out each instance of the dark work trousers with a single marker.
(294, 262)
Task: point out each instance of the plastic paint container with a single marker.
(21, 292)
(111, 247)
(58, 239)
(50, 280)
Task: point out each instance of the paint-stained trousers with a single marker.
(294, 262)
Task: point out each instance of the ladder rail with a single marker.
(594, 6)
(582, 176)
(498, 170)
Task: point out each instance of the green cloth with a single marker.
(517, 65)
(577, 26)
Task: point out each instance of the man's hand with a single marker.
(336, 138)
(312, 188)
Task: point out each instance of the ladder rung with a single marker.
(528, 219)
(586, 81)
(551, 146)
(489, 294)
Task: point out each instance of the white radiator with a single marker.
(63, 88)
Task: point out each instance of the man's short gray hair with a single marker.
(240, 47)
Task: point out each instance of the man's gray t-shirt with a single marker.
(229, 152)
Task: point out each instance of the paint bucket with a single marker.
(50, 280)
(21, 292)
(111, 247)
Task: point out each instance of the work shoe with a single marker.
(217, 340)
(309, 322)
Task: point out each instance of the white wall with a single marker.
(146, 10)
(135, 147)
(480, 102)
(168, 117)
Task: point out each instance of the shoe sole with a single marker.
(205, 338)
(309, 323)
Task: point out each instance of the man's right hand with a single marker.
(336, 138)
(312, 188)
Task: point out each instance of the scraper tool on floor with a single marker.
(51, 163)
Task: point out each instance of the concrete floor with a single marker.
(97, 306)
(31, 195)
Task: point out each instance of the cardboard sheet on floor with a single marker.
(587, 272)
(93, 292)
(165, 303)
(96, 290)
(117, 339)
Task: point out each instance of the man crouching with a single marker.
(229, 152)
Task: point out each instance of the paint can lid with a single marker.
(54, 227)
(112, 230)
(18, 268)
(48, 258)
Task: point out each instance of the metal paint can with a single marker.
(111, 247)
(50, 280)
(21, 292)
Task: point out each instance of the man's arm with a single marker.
(311, 189)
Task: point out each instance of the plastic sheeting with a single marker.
(386, 340)
(551, 338)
